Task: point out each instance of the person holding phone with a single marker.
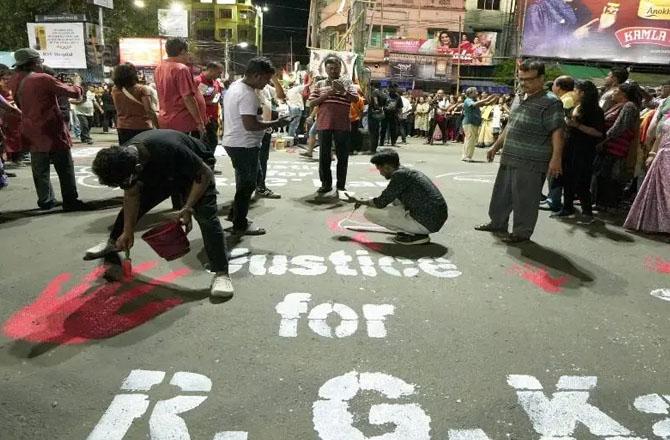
(210, 87)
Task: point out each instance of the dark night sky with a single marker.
(286, 18)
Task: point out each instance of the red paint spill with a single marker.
(356, 219)
(658, 265)
(540, 277)
(363, 239)
(78, 316)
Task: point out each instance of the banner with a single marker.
(173, 22)
(317, 57)
(61, 45)
(142, 52)
(634, 31)
(472, 48)
(419, 66)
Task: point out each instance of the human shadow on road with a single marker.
(116, 314)
(326, 202)
(599, 229)
(94, 205)
(533, 252)
(431, 250)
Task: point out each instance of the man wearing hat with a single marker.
(43, 128)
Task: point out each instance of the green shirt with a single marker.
(531, 124)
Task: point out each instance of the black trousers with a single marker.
(356, 143)
(211, 138)
(41, 167)
(341, 140)
(443, 129)
(577, 175)
(204, 212)
(108, 120)
(245, 161)
(390, 128)
(374, 127)
(263, 157)
(85, 123)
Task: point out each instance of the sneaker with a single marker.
(411, 239)
(100, 250)
(267, 194)
(324, 190)
(563, 214)
(222, 286)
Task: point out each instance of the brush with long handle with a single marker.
(127, 267)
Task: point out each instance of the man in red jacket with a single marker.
(43, 128)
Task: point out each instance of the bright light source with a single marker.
(243, 44)
(139, 3)
(177, 6)
(266, 8)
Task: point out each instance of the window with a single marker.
(377, 37)
(204, 34)
(242, 35)
(226, 14)
(491, 5)
(226, 33)
(332, 41)
(203, 15)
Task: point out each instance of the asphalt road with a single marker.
(333, 334)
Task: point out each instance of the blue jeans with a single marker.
(295, 113)
(245, 162)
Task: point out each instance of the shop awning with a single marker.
(583, 72)
(648, 79)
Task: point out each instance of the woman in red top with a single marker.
(622, 122)
(133, 104)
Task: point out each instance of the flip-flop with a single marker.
(248, 231)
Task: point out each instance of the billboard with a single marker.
(416, 66)
(318, 56)
(173, 22)
(62, 45)
(142, 52)
(635, 31)
(472, 48)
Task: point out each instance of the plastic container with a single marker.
(168, 240)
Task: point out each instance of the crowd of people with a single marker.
(602, 147)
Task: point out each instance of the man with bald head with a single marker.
(563, 87)
(438, 107)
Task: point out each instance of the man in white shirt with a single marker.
(296, 106)
(404, 117)
(84, 111)
(243, 131)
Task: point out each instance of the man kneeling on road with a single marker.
(417, 208)
(150, 168)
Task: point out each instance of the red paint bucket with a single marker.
(168, 240)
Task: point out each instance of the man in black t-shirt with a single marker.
(154, 165)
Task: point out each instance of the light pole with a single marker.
(260, 12)
(226, 60)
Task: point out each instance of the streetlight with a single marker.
(243, 44)
(266, 8)
(177, 6)
(139, 3)
(260, 11)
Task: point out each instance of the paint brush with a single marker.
(127, 267)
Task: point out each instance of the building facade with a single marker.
(236, 21)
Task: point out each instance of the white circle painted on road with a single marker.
(663, 294)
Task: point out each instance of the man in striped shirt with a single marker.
(334, 97)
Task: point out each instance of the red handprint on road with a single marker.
(540, 277)
(77, 316)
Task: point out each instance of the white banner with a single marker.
(318, 56)
(173, 23)
(62, 45)
(109, 4)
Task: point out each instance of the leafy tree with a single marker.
(125, 20)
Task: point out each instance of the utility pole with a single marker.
(227, 58)
(102, 27)
(458, 60)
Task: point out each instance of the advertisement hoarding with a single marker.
(173, 22)
(419, 66)
(62, 45)
(471, 48)
(635, 31)
(142, 52)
